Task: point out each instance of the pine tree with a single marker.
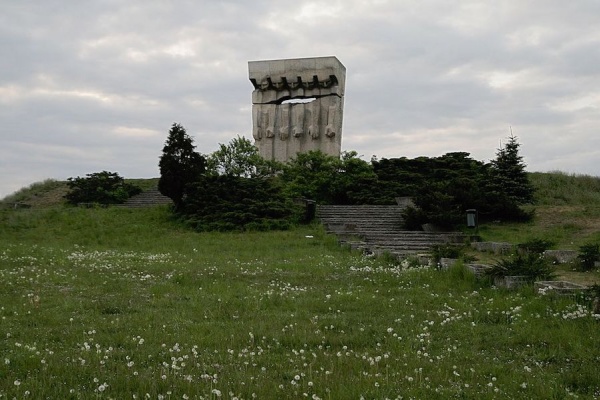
(179, 165)
(509, 177)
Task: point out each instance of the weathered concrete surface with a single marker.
(282, 130)
(561, 256)
(493, 247)
(558, 288)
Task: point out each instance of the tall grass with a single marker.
(115, 303)
(567, 212)
(50, 192)
(33, 191)
(559, 188)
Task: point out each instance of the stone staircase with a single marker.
(378, 229)
(148, 198)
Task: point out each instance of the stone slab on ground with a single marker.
(561, 256)
(493, 247)
(558, 288)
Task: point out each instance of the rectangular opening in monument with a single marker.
(299, 100)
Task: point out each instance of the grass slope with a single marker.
(567, 212)
(50, 193)
(117, 303)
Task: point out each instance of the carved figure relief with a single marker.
(283, 122)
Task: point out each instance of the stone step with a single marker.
(148, 198)
(377, 229)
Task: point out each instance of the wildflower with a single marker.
(17, 382)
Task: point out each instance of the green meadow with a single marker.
(117, 304)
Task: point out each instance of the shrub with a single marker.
(536, 246)
(101, 188)
(414, 218)
(588, 255)
(225, 202)
(446, 251)
(532, 266)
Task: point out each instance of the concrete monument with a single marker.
(297, 106)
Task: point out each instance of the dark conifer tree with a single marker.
(509, 177)
(179, 165)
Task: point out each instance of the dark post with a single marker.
(310, 211)
(472, 218)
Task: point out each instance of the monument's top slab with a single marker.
(293, 73)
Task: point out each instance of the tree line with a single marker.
(235, 188)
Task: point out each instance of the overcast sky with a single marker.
(87, 86)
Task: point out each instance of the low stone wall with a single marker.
(558, 288)
(478, 270)
(561, 256)
(511, 282)
(493, 247)
(446, 263)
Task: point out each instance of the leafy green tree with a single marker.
(101, 188)
(180, 165)
(309, 175)
(329, 180)
(240, 158)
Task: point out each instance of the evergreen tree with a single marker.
(179, 165)
(509, 178)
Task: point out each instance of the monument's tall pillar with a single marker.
(297, 106)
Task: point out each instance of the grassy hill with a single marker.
(567, 209)
(567, 212)
(112, 303)
(50, 193)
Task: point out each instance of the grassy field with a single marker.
(117, 303)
